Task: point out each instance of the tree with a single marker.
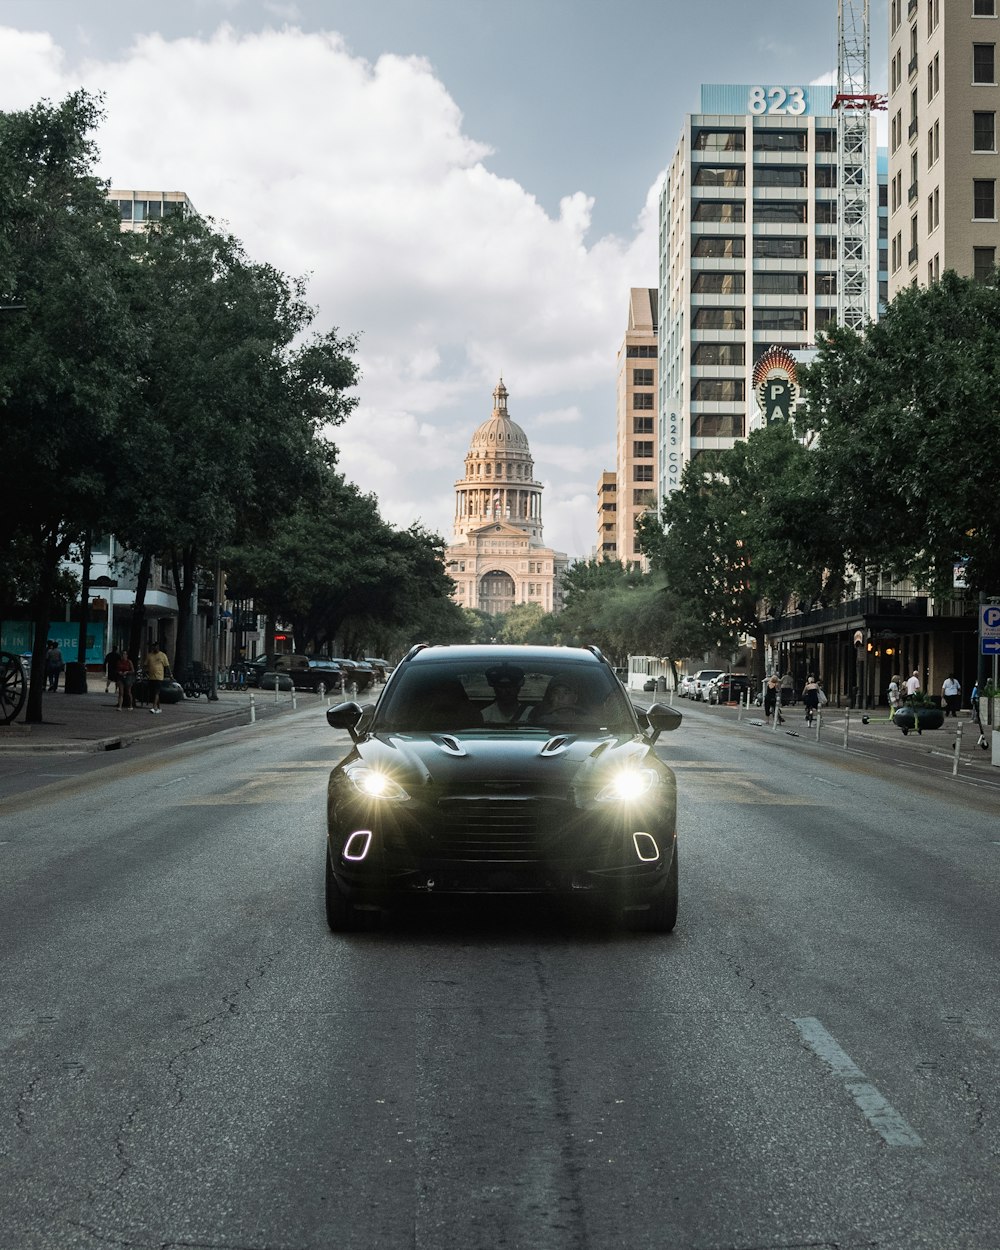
(226, 435)
(908, 417)
(67, 363)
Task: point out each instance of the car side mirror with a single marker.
(345, 716)
(662, 718)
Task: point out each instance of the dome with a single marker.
(498, 432)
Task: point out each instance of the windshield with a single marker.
(555, 696)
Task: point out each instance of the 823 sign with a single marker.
(776, 101)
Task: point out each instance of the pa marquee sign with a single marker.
(775, 384)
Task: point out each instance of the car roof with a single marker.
(478, 653)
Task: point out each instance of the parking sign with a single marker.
(989, 629)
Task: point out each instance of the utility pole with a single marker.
(854, 103)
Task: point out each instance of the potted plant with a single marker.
(919, 711)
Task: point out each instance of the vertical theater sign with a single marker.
(775, 384)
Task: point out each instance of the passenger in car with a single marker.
(506, 708)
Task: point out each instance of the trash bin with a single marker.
(76, 678)
(661, 683)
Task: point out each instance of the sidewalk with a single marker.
(81, 723)
(879, 738)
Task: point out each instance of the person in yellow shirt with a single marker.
(157, 668)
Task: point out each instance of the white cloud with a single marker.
(361, 175)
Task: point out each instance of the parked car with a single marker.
(382, 667)
(728, 688)
(701, 680)
(289, 670)
(686, 688)
(356, 673)
(444, 792)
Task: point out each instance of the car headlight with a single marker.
(374, 784)
(628, 785)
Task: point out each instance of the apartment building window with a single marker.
(719, 246)
(913, 113)
(896, 71)
(826, 141)
(824, 316)
(983, 260)
(642, 425)
(779, 284)
(644, 351)
(779, 318)
(984, 8)
(826, 175)
(894, 16)
(914, 167)
(719, 141)
(720, 176)
(718, 391)
(642, 377)
(934, 76)
(719, 210)
(896, 130)
(984, 63)
(934, 268)
(826, 284)
(984, 132)
(719, 284)
(642, 449)
(826, 213)
(779, 211)
(933, 14)
(984, 206)
(934, 209)
(642, 400)
(933, 144)
(717, 425)
(642, 473)
(718, 319)
(779, 141)
(643, 498)
(718, 354)
(826, 249)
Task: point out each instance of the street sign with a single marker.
(989, 629)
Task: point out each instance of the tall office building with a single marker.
(607, 516)
(139, 208)
(943, 104)
(636, 421)
(748, 253)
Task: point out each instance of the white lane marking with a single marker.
(879, 1113)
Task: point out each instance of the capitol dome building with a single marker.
(498, 558)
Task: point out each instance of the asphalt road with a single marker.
(191, 1060)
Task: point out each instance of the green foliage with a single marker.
(908, 418)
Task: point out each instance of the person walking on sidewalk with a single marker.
(951, 692)
(771, 699)
(913, 683)
(125, 680)
(111, 669)
(156, 673)
(53, 665)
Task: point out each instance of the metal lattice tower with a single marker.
(854, 103)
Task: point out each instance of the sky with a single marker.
(468, 186)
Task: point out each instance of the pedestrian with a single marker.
(974, 700)
(771, 699)
(111, 669)
(895, 692)
(810, 698)
(53, 664)
(125, 680)
(157, 668)
(913, 683)
(951, 692)
(787, 689)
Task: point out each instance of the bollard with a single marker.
(294, 704)
(847, 725)
(739, 706)
(819, 721)
(276, 685)
(958, 749)
(253, 709)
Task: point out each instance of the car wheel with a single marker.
(661, 915)
(340, 915)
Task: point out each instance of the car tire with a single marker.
(340, 915)
(661, 915)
